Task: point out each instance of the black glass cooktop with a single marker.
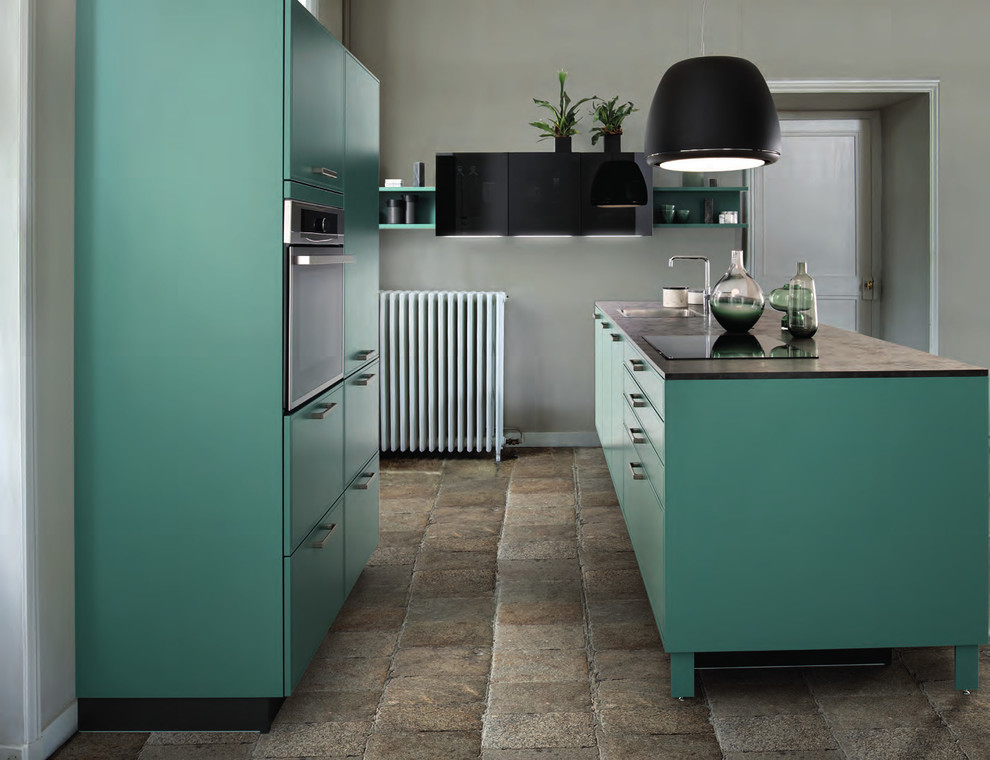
(733, 346)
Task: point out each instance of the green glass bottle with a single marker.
(802, 308)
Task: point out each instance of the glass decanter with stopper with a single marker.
(737, 299)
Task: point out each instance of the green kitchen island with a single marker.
(799, 504)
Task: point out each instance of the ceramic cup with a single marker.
(667, 212)
(683, 214)
(676, 297)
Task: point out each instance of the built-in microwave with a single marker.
(313, 273)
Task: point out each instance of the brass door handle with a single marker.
(366, 484)
(331, 529)
(322, 414)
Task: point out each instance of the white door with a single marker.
(816, 205)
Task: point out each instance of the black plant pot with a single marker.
(562, 144)
(613, 143)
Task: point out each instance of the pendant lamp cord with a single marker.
(704, 7)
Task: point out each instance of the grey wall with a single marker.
(906, 229)
(460, 75)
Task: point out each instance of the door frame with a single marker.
(757, 230)
(907, 87)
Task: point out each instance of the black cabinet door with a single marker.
(471, 194)
(614, 221)
(544, 193)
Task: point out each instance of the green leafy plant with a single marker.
(610, 116)
(565, 115)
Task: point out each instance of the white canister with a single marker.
(696, 296)
(675, 297)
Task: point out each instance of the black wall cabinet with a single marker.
(531, 194)
(471, 194)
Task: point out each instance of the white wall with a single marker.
(462, 75)
(37, 615)
(905, 256)
(14, 695)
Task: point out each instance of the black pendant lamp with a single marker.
(711, 114)
(618, 184)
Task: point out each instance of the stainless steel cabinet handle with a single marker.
(318, 261)
(616, 337)
(331, 529)
(367, 483)
(636, 435)
(638, 365)
(325, 172)
(364, 379)
(322, 413)
(597, 315)
(636, 468)
(606, 325)
(363, 356)
(637, 399)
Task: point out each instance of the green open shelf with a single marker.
(426, 207)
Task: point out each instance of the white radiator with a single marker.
(442, 362)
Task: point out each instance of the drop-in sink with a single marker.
(655, 312)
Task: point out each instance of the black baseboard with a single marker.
(195, 714)
(798, 658)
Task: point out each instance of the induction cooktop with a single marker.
(733, 346)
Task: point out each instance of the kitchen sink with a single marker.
(655, 312)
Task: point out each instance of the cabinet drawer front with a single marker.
(647, 378)
(360, 419)
(361, 516)
(643, 451)
(651, 422)
(314, 463)
(314, 592)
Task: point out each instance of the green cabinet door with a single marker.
(314, 101)
(361, 220)
(601, 373)
(361, 516)
(314, 591)
(361, 419)
(314, 463)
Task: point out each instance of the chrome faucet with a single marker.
(708, 281)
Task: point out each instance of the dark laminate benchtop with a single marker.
(841, 353)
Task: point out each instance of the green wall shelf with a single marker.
(426, 209)
(693, 199)
(700, 226)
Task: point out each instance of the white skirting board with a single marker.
(53, 736)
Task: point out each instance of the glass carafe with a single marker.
(802, 306)
(737, 300)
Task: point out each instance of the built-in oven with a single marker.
(313, 250)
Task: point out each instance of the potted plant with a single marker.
(565, 118)
(610, 116)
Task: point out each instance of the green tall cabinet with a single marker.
(200, 600)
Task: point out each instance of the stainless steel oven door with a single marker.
(314, 321)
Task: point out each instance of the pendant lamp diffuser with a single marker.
(618, 184)
(713, 113)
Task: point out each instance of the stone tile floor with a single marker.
(503, 617)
